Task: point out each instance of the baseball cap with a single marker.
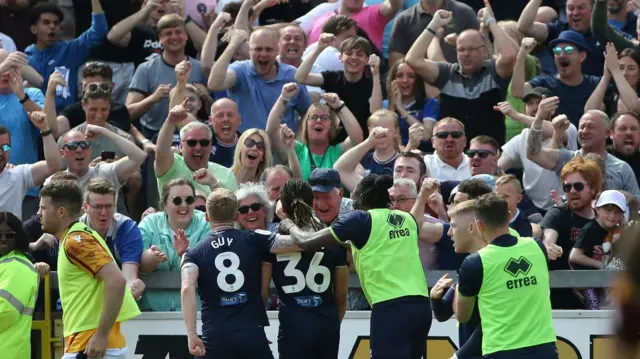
(536, 91)
(612, 197)
(324, 180)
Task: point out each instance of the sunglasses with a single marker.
(250, 142)
(443, 135)
(98, 87)
(193, 143)
(578, 186)
(481, 153)
(201, 208)
(6, 147)
(567, 50)
(73, 145)
(178, 200)
(255, 207)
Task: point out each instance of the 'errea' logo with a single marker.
(519, 267)
(395, 220)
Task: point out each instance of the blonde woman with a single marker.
(317, 147)
(253, 154)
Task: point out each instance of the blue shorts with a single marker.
(317, 339)
(399, 328)
(248, 343)
(542, 351)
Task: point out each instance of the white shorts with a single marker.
(111, 354)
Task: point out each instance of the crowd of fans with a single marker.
(165, 100)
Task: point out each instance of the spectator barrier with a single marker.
(581, 334)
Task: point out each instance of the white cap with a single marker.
(612, 197)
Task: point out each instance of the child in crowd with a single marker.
(510, 189)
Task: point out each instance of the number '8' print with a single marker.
(310, 280)
(229, 270)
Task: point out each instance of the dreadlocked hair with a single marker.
(296, 197)
(373, 192)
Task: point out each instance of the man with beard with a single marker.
(48, 53)
(593, 132)
(621, 19)
(255, 84)
(581, 181)
(192, 163)
(579, 20)
(625, 138)
(606, 32)
(570, 85)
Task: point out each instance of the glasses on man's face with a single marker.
(400, 200)
(464, 50)
(443, 135)
(193, 143)
(189, 200)
(98, 87)
(255, 207)
(567, 50)
(578, 186)
(481, 153)
(73, 145)
(103, 207)
(6, 147)
(323, 118)
(250, 142)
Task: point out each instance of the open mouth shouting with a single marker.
(197, 156)
(51, 36)
(292, 51)
(79, 158)
(564, 62)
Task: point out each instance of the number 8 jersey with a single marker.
(229, 279)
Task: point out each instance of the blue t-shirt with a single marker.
(255, 96)
(24, 135)
(428, 112)
(594, 63)
(373, 166)
(123, 238)
(222, 153)
(230, 279)
(572, 98)
(521, 225)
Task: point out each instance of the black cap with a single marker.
(537, 91)
(324, 180)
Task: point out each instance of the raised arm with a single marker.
(288, 138)
(52, 162)
(390, 8)
(50, 106)
(517, 80)
(164, 152)
(527, 24)
(508, 110)
(303, 74)
(375, 101)
(349, 121)
(221, 78)
(544, 157)
(596, 100)
(603, 32)
(138, 104)
(425, 68)
(189, 275)
(120, 33)
(347, 163)
(627, 94)
(209, 49)
(275, 117)
(504, 46)
(32, 76)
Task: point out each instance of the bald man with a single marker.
(225, 120)
(470, 88)
(255, 84)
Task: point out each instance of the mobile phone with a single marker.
(108, 155)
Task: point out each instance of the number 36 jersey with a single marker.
(229, 279)
(305, 281)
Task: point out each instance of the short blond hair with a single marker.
(169, 21)
(463, 208)
(222, 205)
(509, 179)
(448, 120)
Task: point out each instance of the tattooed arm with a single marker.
(189, 275)
(544, 157)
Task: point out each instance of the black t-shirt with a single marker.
(230, 278)
(355, 96)
(590, 240)
(633, 161)
(568, 225)
(118, 116)
(522, 225)
(305, 285)
(145, 44)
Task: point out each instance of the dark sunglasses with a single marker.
(567, 50)
(73, 145)
(482, 153)
(201, 208)
(253, 206)
(250, 142)
(578, 186)
(193, 143)
(98, 87)
(445, 134)
(6, 147)
(189, 200)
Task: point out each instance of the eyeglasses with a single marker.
(101, 207)
(481, 153)
(255, 207)
(193, 143)
(250, 142)
(73, 145)
(8, 235)
(98, 87)
(201, 208)
(400, 200)
(6, 147)
(178, 200)
(314, 118)
(567, 50)
(443, 135)
(578, 186)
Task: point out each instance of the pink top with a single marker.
(368, 19)
(192, 10)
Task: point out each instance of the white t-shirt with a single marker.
(328, 60)
(537, 181)
(7, 43)
(443, 172)
(14, 184)
(307, 21)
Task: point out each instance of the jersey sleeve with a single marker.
(340, 254)
(470, 276)
(86, 252)
(129, 243)
(443, 307)
(354, 227)
(264, 240)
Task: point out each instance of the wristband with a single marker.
(339, 108)
(24, 99)
(431, 30)
(46, 133)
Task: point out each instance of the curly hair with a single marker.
(296, 197)
(373, 192)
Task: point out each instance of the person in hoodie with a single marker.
(49, 54)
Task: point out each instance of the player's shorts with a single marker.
(315, 338)
(399, 328)
(542, 351)
(248, 343)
